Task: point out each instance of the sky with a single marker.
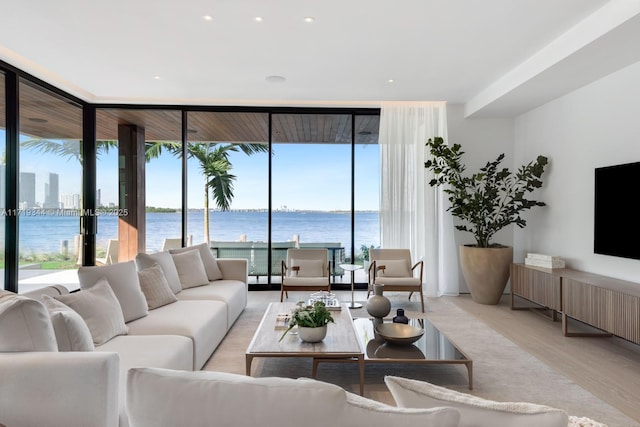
(305, 177)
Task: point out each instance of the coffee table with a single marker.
(341, 342)
(434, 347)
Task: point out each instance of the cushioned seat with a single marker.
(392, 268)
(220, 290)
(198, 320)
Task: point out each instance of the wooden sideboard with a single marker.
(611, 305)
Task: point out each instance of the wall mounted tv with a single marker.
(617, 211)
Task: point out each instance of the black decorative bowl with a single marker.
(399, 333)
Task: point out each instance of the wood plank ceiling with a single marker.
(47, 116)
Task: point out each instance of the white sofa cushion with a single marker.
(155, 287)
(165, 261)
(123, 279)
(207, 398)
(231, 292)
(474, 411)
(100, 309)
(72, 332)
(307, 268)
(205, 322)
(190, 269)
(25, 324)
(209, 261)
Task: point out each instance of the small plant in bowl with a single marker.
(315, 316)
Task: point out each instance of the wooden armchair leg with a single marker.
(422, 301)
(281, 294)
(410, 294)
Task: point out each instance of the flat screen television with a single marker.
(617, 211)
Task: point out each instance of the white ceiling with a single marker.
(499, 57)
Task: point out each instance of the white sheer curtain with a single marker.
(412, 213)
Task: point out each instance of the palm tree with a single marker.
(213, 158)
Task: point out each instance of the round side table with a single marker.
(352, 268)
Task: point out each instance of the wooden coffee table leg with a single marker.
(361, 368)
(248, 360)
(314, 369)
(469, 366)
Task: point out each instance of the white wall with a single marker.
(482, 140)
(597, 125)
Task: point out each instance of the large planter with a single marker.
(312, 334)
(486, 271)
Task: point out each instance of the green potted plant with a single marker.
(311, 320)
(486, 202)
(365, 255)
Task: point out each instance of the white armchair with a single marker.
(392, 268)
(305, 270)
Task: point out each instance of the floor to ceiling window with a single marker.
(228, 184)
(254, 188)
(160, 225)
(3, 173)
(311, 184)
(50, 185)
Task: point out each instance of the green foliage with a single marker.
(488, 200)
(365, 251)
(309, 316)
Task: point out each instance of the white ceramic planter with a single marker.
(312, 334)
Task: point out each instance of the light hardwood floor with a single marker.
(607, 367)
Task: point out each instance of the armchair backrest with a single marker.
(311, 262)
(397, 262)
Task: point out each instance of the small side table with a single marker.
(352, 268)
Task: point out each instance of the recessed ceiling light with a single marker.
(309, 19)
(275, 79)
(157, 78)
(258, 19)
(390, 81)
(207, 18)
(37, 120)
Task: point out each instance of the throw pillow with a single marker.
(155, 287)
(394, 268)
(123, 279)
(72, 333)
(209, 261)
(165, 261)
(190, 269)
(100, 309)
(474, 411)
(24, 324)
(308, 267)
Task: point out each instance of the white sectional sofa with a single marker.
(60, 377)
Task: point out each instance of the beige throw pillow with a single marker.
(72, 332)
(209, 261)
(100, 309)
(123, 279)
(394, 268)
(155, 287)
(165, 260)
(190, 269)
(307, 267)
(25, 324)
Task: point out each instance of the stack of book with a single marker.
(545, 261)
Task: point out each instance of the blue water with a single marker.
(44, 234)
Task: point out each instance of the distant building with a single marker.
(27, 190)
(51, 192)
(98, 197)
(70, 201)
